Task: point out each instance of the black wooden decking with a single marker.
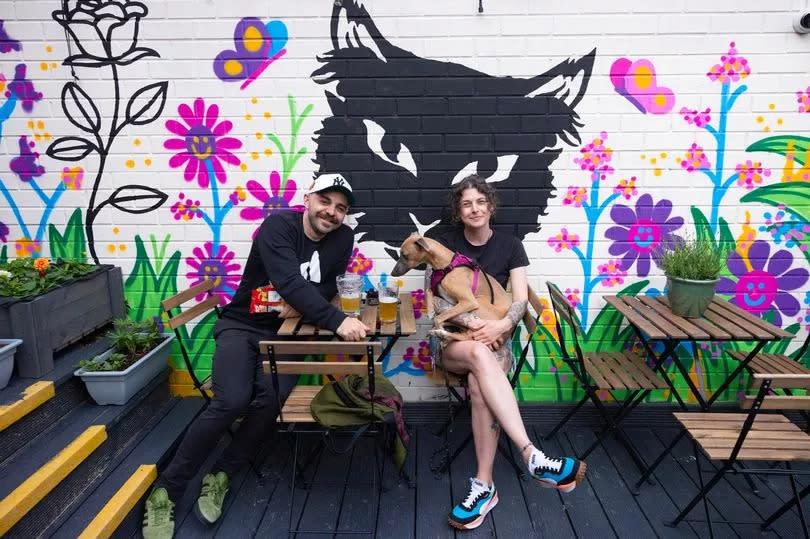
(602, 507)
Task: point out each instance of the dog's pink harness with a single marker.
(458, 260)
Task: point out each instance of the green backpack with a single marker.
(347, 403)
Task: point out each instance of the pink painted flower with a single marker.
(695, 159)
(626, 188)
(272, 202)
(697, 118)
(613, 274)
(751, 174)
(239, 195)
(564, 240)
(418, 299)
(72, 178)
(186, 209)
(732, 67)
(595, 158)
(203, 141)
(208, 265)
(572, 295)
(358, 263)
(419, 358)
(575, 196)
(803, 98)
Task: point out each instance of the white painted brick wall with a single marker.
(519, 38)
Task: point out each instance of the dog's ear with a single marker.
(423, 244)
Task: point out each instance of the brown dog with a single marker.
(456, 287)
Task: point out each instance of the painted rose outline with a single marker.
(105, 31)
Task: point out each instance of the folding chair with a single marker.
(463, 403)
(734, 438)
(613, 372)
(178, 321)
(295, 418)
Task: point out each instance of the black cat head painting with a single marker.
(404, 129)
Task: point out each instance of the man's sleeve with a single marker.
(276, 242)
(518, 258)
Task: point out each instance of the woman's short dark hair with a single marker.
(473, 181)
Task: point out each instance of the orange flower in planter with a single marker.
(41, 265)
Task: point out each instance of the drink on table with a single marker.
(349, 286)
(389, 298)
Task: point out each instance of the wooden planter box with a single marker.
(53, 320)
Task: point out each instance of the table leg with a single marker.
(658, 361)
(737, 371)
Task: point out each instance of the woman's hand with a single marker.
(490, 331)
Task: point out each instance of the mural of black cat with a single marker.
(404, 128)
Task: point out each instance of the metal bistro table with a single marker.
(403, 325)
(652, 320)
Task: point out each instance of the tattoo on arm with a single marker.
(516, 311)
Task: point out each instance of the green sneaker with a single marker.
(212, 495)
(158, 518)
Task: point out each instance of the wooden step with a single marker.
(23, 498)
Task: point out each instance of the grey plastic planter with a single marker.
(117, 387)
(53, 320)
(7, 349)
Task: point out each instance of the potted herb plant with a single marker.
(52, 304)
(138, 352)
(692, 267)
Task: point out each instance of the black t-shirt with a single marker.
(303, 271)
(500, 254)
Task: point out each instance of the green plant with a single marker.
(20, 278)
(695, 259)
(129, 341)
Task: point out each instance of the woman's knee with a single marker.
(481, 357)
(230, 403)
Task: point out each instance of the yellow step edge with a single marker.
(122, 502)
(34, 395)
(14, 506)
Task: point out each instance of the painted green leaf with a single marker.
(4, 255)
(71, 244)
(144, 288)
(604, 333)
(780, 347)
(703, 230)
(779, 144)
(794, 195)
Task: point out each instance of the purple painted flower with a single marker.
(271, 202)
(420, 357)
(763, 282)
(3, 232)
(8, 43)
(23, 89)
(203, 140)
(642, 232)
(25, 165)
(207, 265)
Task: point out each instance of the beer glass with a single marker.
(349, 286)
(389, 297)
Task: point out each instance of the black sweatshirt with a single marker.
(303, 271)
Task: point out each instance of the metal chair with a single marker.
(612, 372)
(295, 418)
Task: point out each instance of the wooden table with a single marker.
(403, 325)
(652, 320)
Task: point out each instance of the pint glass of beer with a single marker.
(349, 286)
(389, 298)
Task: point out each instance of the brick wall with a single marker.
(423, 91)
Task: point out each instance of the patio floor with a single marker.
(602, 507)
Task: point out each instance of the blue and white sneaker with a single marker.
(471, 512)
(562, 473)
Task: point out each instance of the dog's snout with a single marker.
(399, 269)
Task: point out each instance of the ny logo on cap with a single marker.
(339, 182)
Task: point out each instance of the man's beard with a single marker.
(314, 222)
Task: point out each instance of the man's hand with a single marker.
(490, 331)
(288, 312)
(352, 329)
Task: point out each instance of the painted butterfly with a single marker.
(636, 82)
(257, 45)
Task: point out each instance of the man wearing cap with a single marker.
(301, 255)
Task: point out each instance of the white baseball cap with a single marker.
(332, 182)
